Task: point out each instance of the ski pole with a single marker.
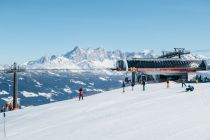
(4, 125)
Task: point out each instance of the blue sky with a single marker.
(30, 29)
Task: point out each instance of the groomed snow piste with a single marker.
(156, 114)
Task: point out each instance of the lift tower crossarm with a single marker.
(177, 52)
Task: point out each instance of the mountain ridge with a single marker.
(79, 58)
(89, 58)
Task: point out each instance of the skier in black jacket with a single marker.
(143, 83)
(123, 86)
(183, 83)
(81, 93)
(132, 85)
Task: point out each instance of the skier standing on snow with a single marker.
(2, 108)
(167, 83)
(183, 83)
(206, 79)
(196, 81)
(10, 107)
(123, 86)
(7, 107)
(81, 93)
(143, 83)
(132, 85)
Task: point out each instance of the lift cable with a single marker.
(205, 50)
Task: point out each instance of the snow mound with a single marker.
(77, 82)
(67, 89)
(29, 94)
(3, 92)
(47, 95)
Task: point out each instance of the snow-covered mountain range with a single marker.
(79, 58)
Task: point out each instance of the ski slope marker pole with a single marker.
(4, 125)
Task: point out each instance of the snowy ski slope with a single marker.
(156, 114)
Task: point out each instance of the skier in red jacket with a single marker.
(7, 107)
(10, 107)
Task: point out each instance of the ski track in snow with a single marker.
(159, 113)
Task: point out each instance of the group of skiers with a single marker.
(188, 88)
(7, 107)
(133, 84)
(201, 79)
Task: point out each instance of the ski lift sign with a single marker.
(133, 69)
